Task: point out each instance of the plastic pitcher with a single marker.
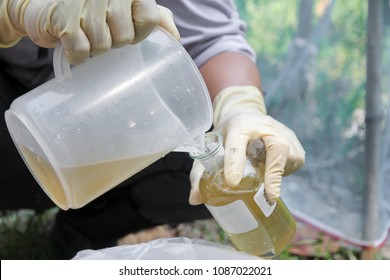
(97, 124)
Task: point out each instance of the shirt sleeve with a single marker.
(27, 63)
(209, 27)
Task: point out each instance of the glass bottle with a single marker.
(252, 224)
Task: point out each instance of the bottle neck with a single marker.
(213, 156)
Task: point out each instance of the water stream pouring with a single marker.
(97, 124)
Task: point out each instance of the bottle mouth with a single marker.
(212, 145)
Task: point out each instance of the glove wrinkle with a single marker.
(240, 116)
(85, 27)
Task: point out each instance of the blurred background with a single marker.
(325, 70)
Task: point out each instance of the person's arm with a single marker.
(240, 116)
(215, 37)
(229, 69)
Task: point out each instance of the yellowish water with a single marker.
(274, 233)
(84, 182)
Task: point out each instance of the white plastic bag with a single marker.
(180, 248)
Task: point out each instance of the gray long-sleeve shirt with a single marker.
(207, 28)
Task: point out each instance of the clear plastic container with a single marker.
(97, 124)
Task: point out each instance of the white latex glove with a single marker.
(240, 116)
(85, 27)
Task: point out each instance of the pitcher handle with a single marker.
(60, 63)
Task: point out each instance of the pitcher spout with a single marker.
(194, 145)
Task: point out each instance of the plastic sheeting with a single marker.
(179, 248)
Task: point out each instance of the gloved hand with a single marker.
(240, 116)
(85, 27)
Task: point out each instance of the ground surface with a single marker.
(25, 235)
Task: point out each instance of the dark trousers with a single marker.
(156, 195)
(18, 188)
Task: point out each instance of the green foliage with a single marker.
(323, 99)
(270, 23)
(25, 235)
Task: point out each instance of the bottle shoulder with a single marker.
(215, 190)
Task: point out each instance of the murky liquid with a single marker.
(85, 182)
(273, 234)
